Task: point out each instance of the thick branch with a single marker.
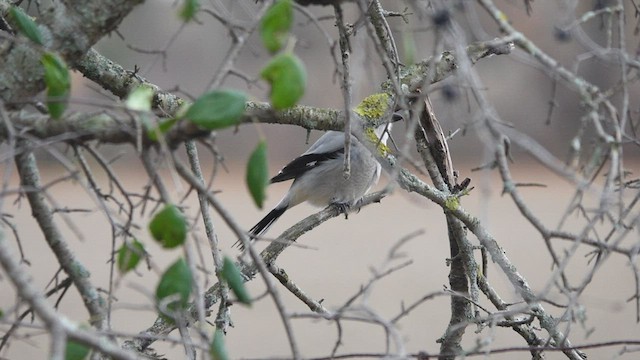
(124, 128)
(70, 28)
(31, 185)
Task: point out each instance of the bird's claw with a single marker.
(343, 208)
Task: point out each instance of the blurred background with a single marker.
(341, 256)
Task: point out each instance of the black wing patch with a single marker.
(303, 164)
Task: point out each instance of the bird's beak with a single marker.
(397, 116)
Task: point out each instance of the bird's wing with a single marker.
(329, 142)
(303, 164)
(328, 146)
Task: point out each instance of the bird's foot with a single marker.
(343, 208)
(358, 205)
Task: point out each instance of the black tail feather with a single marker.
(264, 224)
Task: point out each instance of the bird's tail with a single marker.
(266, 222)
(263, 225)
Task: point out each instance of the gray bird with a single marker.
(318, 176)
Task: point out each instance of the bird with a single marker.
(319, 179)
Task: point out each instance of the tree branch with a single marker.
(70, 28)
(32, 187)
(56, 322)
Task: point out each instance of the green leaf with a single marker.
(189, 9)
(288, 79)
(56, 77)
(169, 227)
(129, 256)
(409, 47)
(75, 351)
(233, 277)
(258, 173)
(162, 128)
(217, 109)
(140, 99)
(26, 25)
(177, 283)
(276, 24)
(218, 350)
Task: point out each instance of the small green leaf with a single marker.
(26, 25)
(75, 351)
(162, 128)
(217, 109)
(288, 79)
(233, 277)
(140, 99)
(409, 47)
(56, 77)
(218, 350)
(129, 256)
(189, 9)
(166, 125)
(258, 173)
(275, 25)
(177, 283)
(169, 227)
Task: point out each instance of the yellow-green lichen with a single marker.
(371, 136)
(452, 203)
(373, 106)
